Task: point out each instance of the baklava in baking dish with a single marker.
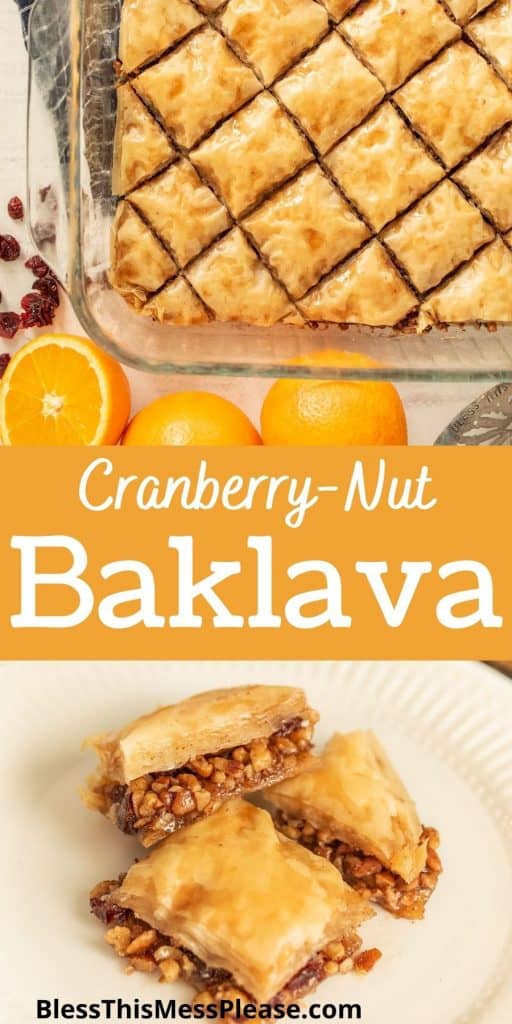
(352, 808)
(236, 909)
(297, 161)
(167, 769)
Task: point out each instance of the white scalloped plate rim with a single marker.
(460, 713)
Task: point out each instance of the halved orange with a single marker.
(63, 390)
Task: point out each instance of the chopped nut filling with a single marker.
(158, 804)
(145, 949)
(366, 874)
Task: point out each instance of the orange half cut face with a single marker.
(63, 390)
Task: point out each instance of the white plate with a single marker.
(447, 727)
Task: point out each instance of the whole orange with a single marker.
(333, 412)
(191, 418)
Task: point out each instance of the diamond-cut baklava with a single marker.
(296, 161)
(236, 909)
(351, 807)
(181, 763)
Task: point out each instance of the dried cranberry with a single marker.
(48, 286)
(4, 363)
(9, 248)
(125, 815)
(15, 208)
(37, 266)
(39, 311)
(108, 912)
(314, 970)
(9, 325)
(28, 300)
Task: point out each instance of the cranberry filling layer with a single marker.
(366, 874)
(146, 949)
(160, 803)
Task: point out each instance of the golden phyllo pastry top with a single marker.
(206, 723)
(353, 793)
(242, 897)
(280, 151)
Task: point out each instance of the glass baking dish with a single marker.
(72, 47)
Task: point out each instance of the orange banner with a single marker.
(256, 553)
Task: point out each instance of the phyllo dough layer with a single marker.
(351, 807)
(202, 893)
(180, 763)
(141, 147)
(277, 149)
(469, 297)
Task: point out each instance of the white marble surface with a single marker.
(429, 407)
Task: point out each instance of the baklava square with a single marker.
(441, 232)
(235, 284)
(488, 177)
(366, 290)
(140, 264)
(141, 148)
(329, 92)
(382, 167)
(271, 35)
(479, 293)
(456, 102)
(352, 807)
(182, 211)
(464, 10)
(180, 763)
(196, 86)
(149, 30)
(177, 304)
(492, 32)
(395, 37)
(251, 153)
(338, 8)
(305, 229)
(230, 903)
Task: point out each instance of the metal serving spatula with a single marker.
(487, 420)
